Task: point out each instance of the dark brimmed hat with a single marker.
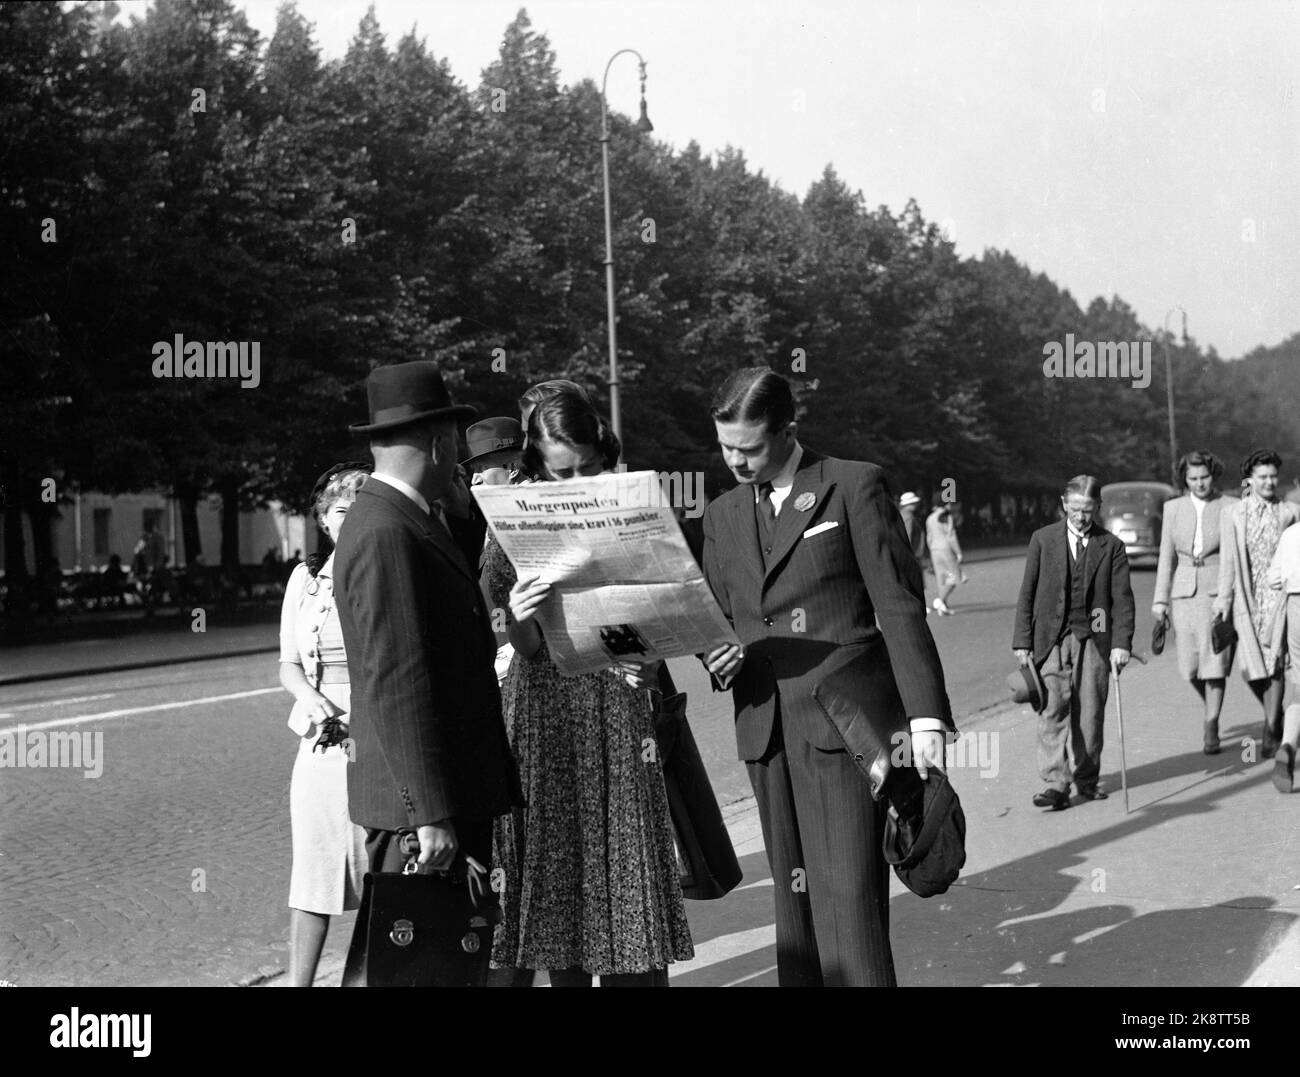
(500, 435)
(1027, 686)
(338, 469)
(408, 393)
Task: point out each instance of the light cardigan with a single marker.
(1286, 559)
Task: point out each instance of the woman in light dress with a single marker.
(1187, 582)
(1252, 529)
(945, 550)
(329, 855)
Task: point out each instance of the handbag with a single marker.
(1158, 632)
(706, 858)
(1222, 635)
(420, 927)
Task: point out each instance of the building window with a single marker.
(102, 517)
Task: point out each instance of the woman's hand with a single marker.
(1159, 611)
(318, 708)
(525, 598)
(1274, 577)
(638, 674)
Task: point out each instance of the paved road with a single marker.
(171, 867)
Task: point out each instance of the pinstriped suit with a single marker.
(850, 592)
(430, 742)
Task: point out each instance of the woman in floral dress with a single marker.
(1251, 529)
(590, 885)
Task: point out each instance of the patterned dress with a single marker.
(1263, 530)
(591, 874)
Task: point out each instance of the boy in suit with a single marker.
(806, 556)
(1074, 621)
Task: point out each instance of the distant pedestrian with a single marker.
(945, 550)
(328, 848)
(1284, 576)
(1187, 581)
(1074, 621)
(1252, 528)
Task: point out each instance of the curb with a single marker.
(122, 667)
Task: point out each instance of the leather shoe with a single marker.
(1284, 769)
(1051, 798)
(1210, 745)
(1093, 793)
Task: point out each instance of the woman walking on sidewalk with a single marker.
(945, 550)
(1252, 528)
(1188, 580)
(329, 853)
(1284, 577)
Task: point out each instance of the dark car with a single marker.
(1131, 511)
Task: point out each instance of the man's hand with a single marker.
(927, 752)
(725, 661)
(438, 844)
(1119, 659)
(1022, 655)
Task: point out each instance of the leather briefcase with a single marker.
(707, 859)
(423, 928)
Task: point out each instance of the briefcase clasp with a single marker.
(403, 933)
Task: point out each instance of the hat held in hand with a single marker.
(1027, 686)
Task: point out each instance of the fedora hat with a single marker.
(908, 498)
(1027, 686)
(500, 435)
(407, 393)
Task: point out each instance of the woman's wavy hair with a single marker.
(1197, 458)
(341, 482)
(1260, 458)
(567, 418)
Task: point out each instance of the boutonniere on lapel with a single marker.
(805, 501)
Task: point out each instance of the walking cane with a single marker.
(1123, 766)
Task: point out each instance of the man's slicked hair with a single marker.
(1084, 485)
(752, 395)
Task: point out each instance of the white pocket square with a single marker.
(820, 528)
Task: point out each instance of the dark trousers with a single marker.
(823, 835)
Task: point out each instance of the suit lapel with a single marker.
(1058, 554)
(745, 526)
(793, 520)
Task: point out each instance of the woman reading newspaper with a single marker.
(591, 884)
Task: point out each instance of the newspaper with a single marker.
(624, 584)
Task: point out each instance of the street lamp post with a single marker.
(643, 124)
(1169, 392)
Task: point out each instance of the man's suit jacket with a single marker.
(849, 591)
(1044, 605)
(430, 741)
(1177, 576)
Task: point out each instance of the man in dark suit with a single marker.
(430, 749)
(1074, 621)
(809, 561)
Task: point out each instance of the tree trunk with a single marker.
(191, 542)
(42, 518)
(229, 490)
(16, 576)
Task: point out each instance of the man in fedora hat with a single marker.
(1074, 622)
(430, 749)
(496, 446)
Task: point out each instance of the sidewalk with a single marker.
(1198, 885)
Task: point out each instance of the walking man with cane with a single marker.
(1074, 621)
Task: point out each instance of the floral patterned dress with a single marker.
(590, 872)
(1263, 531)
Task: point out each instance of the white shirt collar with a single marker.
(1069, 527)
(403, 487)
(784, 478)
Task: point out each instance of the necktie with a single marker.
(1078, 551)
(765, 505)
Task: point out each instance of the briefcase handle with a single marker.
(476, 879)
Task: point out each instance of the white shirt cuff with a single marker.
(926, 725)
